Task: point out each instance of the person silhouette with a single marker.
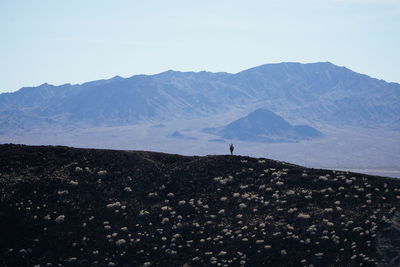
(231, 148)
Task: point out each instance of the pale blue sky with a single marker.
(74, 41)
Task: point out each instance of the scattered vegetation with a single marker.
(79, 207)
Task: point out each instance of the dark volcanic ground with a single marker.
(62, 206)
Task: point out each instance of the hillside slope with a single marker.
(81, 207)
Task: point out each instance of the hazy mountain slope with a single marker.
(324, 92)
(80, 207)
(313, 92)
(263, 125)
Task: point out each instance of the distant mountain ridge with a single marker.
(315, 92)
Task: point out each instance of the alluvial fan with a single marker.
(62, 206)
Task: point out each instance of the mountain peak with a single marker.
(290, 66)
(116, 78)
(263, 125)
(263, 112)
(45, 85)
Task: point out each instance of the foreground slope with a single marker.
(80, 207)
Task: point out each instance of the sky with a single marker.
(74, 41)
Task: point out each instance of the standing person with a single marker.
(231, 148)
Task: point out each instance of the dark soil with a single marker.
(63, 206)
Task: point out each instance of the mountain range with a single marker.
(316, 114)
(316, 92)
